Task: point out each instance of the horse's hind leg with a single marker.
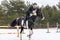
(22, 24)
(22, 28)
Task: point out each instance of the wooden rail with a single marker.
(6, 26)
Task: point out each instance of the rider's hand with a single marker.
(43, 18)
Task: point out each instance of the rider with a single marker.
(33, 10)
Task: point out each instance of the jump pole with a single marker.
(9, 33)
(48, 27)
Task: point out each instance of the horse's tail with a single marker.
(13, 24)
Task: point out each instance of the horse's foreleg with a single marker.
(30, 33)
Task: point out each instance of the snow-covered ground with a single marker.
(39, 34)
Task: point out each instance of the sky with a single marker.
(0, 1)
(42, 2)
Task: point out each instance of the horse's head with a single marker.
(40, 14)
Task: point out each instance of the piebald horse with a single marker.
(27, 23)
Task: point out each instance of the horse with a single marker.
(29, 23)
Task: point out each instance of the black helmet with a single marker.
(34, 3)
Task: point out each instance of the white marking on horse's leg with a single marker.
(22, 22)
(30, 32)
(20, 36)
(27, 24)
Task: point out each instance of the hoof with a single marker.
(20, 39)
(29, 36)
(23, 33)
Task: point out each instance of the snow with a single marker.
(39, 34)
